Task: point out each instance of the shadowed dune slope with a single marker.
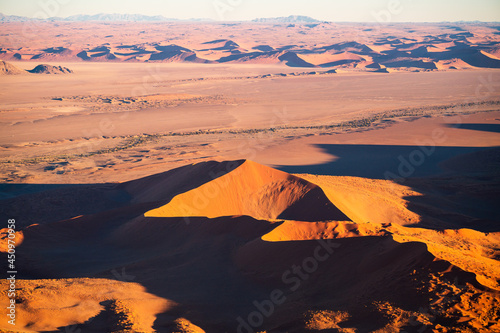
(259, 190)
(290, 59)
(254, 190)
(166, 185)
(49, 69)
(481, 59)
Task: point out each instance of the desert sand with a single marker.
(243, 177)
(215, 272)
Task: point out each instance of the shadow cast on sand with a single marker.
(43, 203)
(459, 186)
(381, 161)
(495, 128)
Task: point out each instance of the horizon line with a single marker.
(206, 19)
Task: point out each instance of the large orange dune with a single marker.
(236, 246)
(254, 190)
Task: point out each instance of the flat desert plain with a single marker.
(250, 177)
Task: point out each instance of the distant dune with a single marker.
(175, 53)
(331, 59)
(481, 59)
(49, 69)
(308, 43)
(9, 69)
(273, 57)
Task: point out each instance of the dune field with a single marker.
(250, 177)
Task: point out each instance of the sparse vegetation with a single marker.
(406, 114)
(105, 103)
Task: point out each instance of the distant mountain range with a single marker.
(99, 17)
(13, 18)
(116, 17)
(146, 18)
(288, 19)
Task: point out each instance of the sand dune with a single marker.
(96, 56)
(9, 69)
(175, 53)
(253, 43)
(221, 45)
(350, 46)
(380, 203)
(374, 65)
(164, 274)
(452, 64)
(106, 304)
(331, 59)
(264, 48)
(272, 57)
(495, 51)
(8, 55)
(388, 262)
(56, 53)
(291, 59)
(410, 63)
(167, 185)
(254, 190)
(49, 69)
(481, 59)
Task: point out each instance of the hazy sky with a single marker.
(331, 10)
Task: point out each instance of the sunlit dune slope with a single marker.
(9, 69)
(254, 190)
(63, 305)
(299, 231)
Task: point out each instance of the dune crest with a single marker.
(257, 191)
